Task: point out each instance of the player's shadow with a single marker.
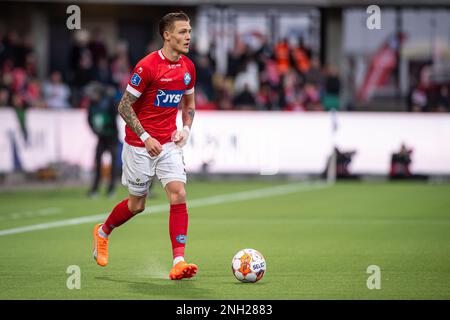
(250, 284)
(171, 289)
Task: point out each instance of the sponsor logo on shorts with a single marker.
(181, 238)
(137, 183)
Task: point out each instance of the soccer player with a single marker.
(153, 145)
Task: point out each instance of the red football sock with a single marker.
(178, 225)
(118, 216)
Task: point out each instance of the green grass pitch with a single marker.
(318, 243)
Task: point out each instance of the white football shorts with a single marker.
(139, 168)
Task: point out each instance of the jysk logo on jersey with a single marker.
(135, 79)
(187, 78)
(168, 98)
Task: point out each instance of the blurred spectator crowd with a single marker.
(428, 96)
(90, 64)
(282, 77)
(19, 86)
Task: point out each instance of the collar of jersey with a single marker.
(161, 55)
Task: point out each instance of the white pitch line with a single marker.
(207, 201)
(31, 214)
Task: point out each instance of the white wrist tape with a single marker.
(144, 136)
(187, 129)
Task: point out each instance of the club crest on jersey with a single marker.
(168, 98)
(135, 79)
(187, 78)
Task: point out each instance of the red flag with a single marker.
(381, 66)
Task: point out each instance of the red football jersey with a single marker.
(159, 84)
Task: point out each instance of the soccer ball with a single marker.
(248, 265)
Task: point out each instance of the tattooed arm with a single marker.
(129, 116)
(188, 110)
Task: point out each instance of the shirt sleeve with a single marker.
(141, 77)
(191, 84)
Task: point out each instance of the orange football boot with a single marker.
(100, 248)
(183, 270)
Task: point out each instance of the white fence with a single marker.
(247, 142)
